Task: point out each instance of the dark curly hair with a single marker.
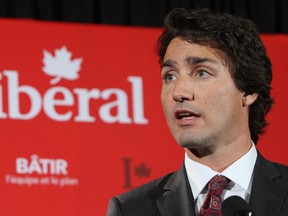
(239, 39)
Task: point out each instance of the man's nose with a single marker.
(183, 90)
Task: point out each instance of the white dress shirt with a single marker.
(240, 173)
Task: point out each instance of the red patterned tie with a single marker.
(212, 203)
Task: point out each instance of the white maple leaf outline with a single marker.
(61, 65)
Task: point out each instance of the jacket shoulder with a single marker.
(140, 201)
(283, 169)
(151, 190)
(271, 168)
(144, 200)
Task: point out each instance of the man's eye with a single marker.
(169, 77)
(202, 74)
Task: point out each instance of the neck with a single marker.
(218, 158)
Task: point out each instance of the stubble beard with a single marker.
(193, 141)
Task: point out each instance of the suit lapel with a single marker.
(177, 200)
(268, 190)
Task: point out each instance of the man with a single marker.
(216, 79)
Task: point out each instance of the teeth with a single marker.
(184, 114)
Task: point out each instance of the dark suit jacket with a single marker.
(171, 195)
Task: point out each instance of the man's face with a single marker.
(201, 103)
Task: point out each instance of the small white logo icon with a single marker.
(61, 66)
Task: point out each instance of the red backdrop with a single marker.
(81, 120)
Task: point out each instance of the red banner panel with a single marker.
(81, 119)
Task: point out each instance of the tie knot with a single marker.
(218, 183)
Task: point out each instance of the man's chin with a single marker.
(189, 144)
(192, 143)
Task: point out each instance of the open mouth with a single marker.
(184, 114)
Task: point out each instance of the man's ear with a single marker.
(248, 99)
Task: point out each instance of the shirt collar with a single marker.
(240, 172)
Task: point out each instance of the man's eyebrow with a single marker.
(168, 63)
(190, 60)
(196, 60)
